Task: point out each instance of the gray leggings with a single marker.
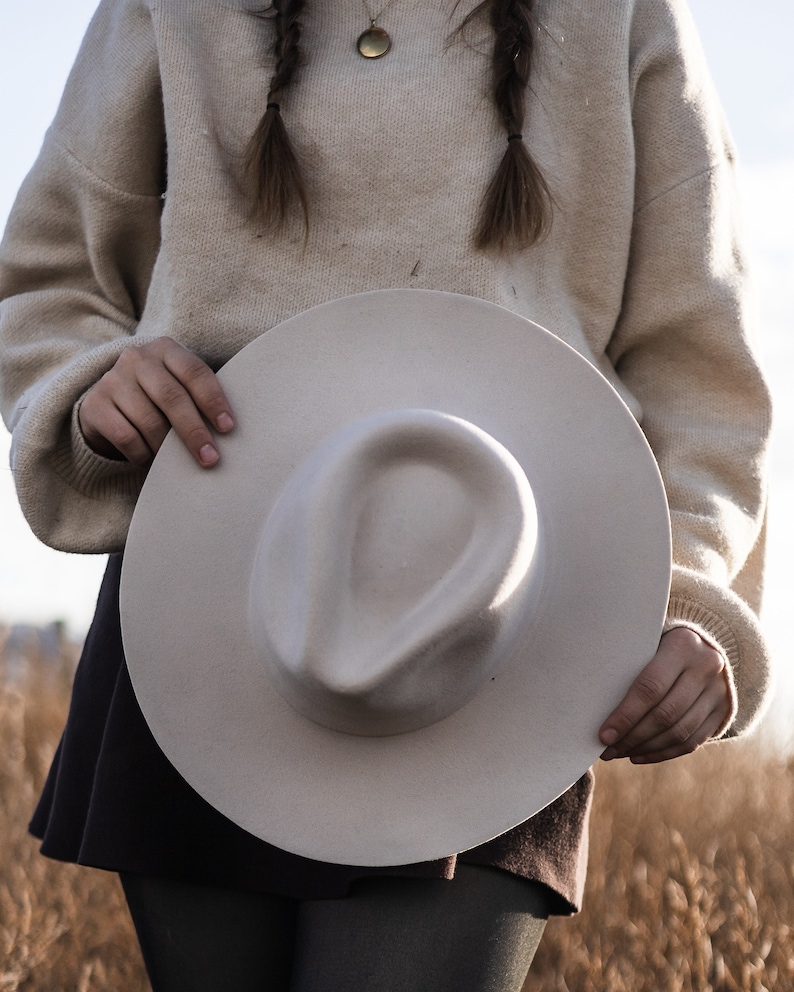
(476, 933)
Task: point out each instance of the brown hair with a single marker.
(516, 207)
(270, 158)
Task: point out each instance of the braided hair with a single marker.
(517, 203)
(516, 208)
(270, 157)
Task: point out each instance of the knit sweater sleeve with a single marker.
(682, 347)
(75, 265)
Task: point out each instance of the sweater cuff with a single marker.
(90, 475)
(89, 466)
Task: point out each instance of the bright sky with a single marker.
(749, 48)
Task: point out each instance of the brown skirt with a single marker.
(113, 800)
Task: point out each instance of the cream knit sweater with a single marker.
(641, 273)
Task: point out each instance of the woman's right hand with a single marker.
(148, 391)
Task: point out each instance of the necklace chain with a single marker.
(380, 13)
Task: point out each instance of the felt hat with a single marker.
(435, 553)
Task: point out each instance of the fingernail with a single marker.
(208, 454)
(609, 736)
(225, 422)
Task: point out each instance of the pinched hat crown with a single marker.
(395, 572)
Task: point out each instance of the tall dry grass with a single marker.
(691, 885)
(62, 928)
(691, 880)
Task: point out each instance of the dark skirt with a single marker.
(113, 800)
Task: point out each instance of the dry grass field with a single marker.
(691, 881)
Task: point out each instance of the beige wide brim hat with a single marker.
(433, 557)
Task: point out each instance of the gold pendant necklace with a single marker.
(374, 42)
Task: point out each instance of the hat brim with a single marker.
(531, 732)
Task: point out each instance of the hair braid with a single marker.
(516, 207)
(270, 157)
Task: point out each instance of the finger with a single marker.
(122, 410)
(645, 693)
(176, 404)
(672, 710)
(669, 730)
(108, 431)
(201, 384)
(133, 406)
(711, 707)
(144, 415)
(705, 732)
(680, 651)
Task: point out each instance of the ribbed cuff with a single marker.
(93, 474)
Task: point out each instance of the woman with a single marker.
(212, 171)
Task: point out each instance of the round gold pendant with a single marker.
(373, 43)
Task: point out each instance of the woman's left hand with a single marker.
(679, 700)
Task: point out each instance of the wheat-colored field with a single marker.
(691, 885)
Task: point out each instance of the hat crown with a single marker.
(395, 572)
